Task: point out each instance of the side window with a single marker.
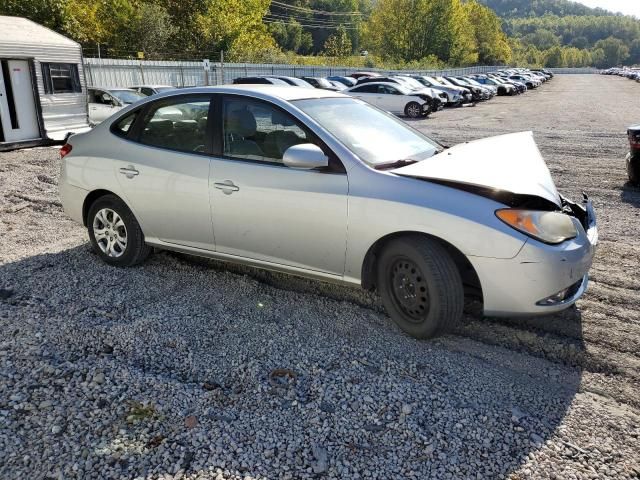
(386, 89)
(255, 130)
(123, 126)
(147, 91)
(61, 78)
(179, 124)
(367, 89)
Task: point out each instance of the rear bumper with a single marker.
(541, 279)
(72, 198)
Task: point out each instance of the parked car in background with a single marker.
(488, 90)
(437, 100)
(258, 80)
(502, 88)
(477, 93)
(393, 97)
(294, 81)
(519, 86)
(346, 81)
(338, 85)
(149, 90)
(320, 82)
(320, 184)
(456, 96)
(104, 102)
(358, 75)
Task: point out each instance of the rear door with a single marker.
(266, 211)
(164, 170)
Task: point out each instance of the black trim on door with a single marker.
(8, 88)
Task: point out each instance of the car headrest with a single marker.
(185, 125)
(279, 118)
(241, 122)
(160, 127)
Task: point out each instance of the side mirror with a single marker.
(305, 156)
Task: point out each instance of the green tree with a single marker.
(554, 58)
(338, 44)
(492, 43)
(50, 13)
(150, 29)
(615, 52)
(408, 30)
(236, 26)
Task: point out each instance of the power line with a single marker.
(329, 23)
(310, 10)
(267, 20)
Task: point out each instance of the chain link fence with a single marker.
(110, 72)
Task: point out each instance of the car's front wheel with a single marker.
(420, 286)
(413, 110)
(115, 233)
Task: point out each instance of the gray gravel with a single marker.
(186, 368)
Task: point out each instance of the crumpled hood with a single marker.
(510, 163)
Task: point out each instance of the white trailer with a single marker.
(43, 96)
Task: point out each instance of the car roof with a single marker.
(108, 89)
(283, 92)
(152, 86)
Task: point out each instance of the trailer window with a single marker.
(61, 78)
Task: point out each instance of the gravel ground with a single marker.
(187, 368)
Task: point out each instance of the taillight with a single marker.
(65, 150)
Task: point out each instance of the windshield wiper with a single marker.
(395, 164)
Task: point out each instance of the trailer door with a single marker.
(18, 116)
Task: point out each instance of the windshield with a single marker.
(379, 140)
(472, 82)
(127, 96)
(445, 81)
(411, 83)
(164, 89)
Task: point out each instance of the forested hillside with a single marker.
(529, 8)
(395, 33)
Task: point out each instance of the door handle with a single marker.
(227, 187)
(129, 171)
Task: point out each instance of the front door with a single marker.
(18, 115)
(101, 106)
(266, 211)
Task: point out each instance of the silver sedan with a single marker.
(323, 185)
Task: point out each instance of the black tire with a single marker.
(423, 269)
(413, 110)
(136, 250)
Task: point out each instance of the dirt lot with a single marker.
(191, 368)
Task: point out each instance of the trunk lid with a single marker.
(511, 163)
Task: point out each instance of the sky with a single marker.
(628, 7)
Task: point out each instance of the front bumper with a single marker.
(519, 286)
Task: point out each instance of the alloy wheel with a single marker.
(110, 232)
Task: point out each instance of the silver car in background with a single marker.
(324, 185)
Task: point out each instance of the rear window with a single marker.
(123, 126)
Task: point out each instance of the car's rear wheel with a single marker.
(420, 286)
(115, 233)
(413, 110)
